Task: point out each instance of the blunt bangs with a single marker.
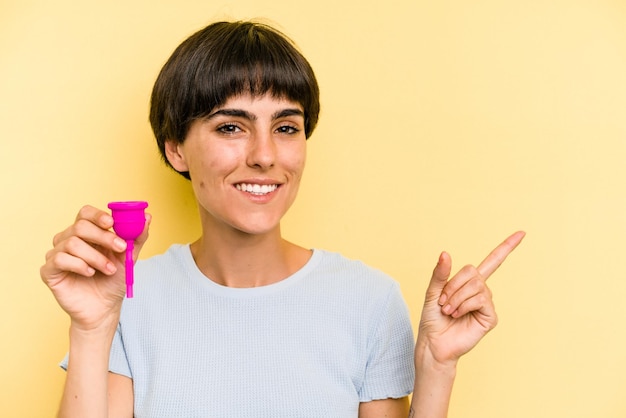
(223, 60)
(257, 62)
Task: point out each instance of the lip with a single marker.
(259, 181)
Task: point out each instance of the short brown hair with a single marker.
(223, 60)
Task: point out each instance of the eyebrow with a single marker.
(240, 113)
(288, 112)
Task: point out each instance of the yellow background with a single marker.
(445, 125)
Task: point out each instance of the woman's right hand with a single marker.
(85, 269)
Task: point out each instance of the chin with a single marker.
(260, 227)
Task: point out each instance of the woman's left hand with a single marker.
(459, 311)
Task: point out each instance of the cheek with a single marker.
(299, 169)
(297, 161)
(209, 163)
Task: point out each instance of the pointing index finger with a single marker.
(499, 254)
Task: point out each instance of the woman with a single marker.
(242, 322)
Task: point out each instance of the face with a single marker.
(245, 160)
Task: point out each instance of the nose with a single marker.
(261, 151)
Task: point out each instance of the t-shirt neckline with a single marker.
(196, 275)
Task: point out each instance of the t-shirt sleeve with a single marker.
(118, 361)
(390, 370)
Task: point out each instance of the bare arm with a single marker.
(121, 396)
(433, 388)
(86, 383)
(391, 408)
(84, 271)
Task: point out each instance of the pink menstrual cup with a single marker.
(129, 220)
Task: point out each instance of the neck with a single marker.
(237, 259)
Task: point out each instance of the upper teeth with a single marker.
(256, 188)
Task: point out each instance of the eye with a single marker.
(288, 129)
(228, 128)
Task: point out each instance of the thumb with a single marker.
(440, 276)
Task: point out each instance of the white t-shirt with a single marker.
(316, 344)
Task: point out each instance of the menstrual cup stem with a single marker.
(130, 275)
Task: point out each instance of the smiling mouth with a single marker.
(256, 189)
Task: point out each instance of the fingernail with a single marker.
(447, 309)
(119, 244)
(111, 268)
(106, 219)
(442, 299)
(90, 271)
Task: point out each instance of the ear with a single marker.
(175, 156)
